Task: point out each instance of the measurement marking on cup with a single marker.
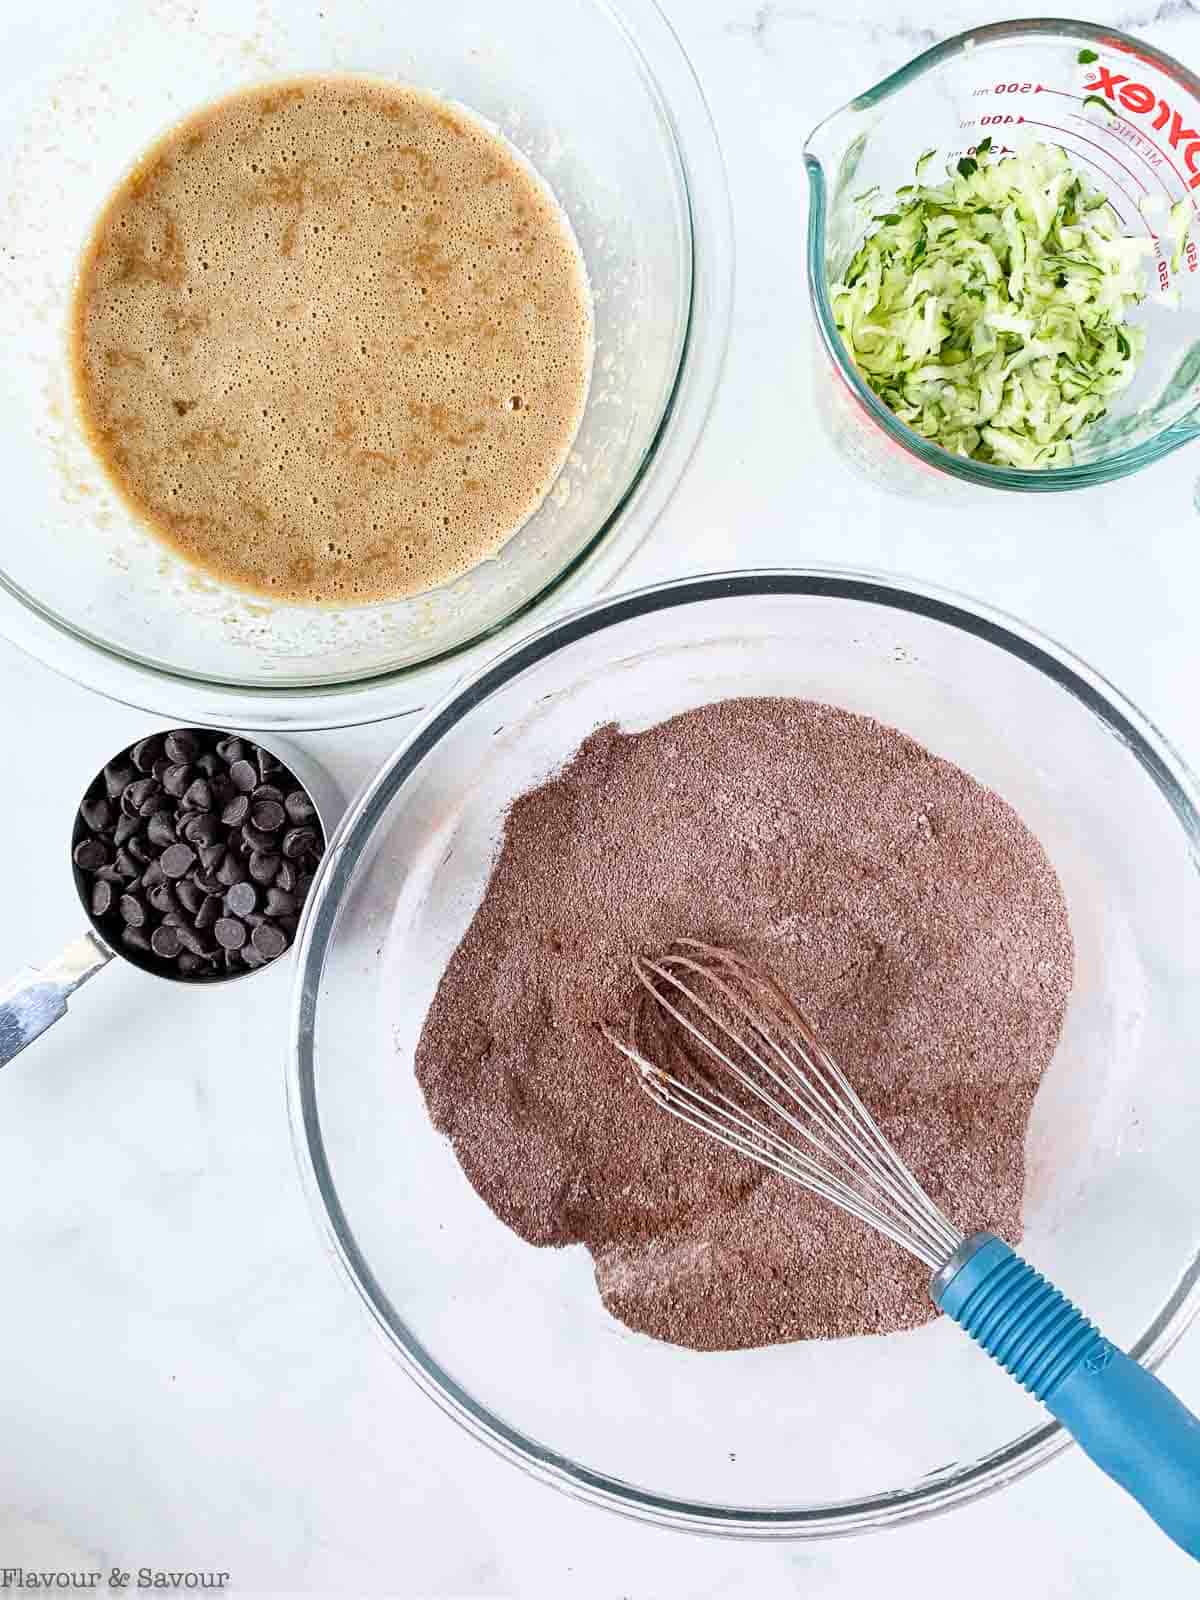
(1057, 127)
(1141, 103)
(1137, 150)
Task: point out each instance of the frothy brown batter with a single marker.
(332, 340)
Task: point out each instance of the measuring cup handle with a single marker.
(37, 996)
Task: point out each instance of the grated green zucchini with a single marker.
(988, 311)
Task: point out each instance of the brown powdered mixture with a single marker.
(908, 908)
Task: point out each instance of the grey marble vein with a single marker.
(768, 18)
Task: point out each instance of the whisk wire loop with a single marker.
(746, 1026)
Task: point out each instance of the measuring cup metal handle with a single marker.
(37, 996)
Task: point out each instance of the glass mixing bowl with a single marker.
(1017, 83)
(808, 1439)
(598, 96)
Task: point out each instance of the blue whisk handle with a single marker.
(1129, 1423)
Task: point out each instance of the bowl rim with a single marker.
(35, 628)
(934, 1494)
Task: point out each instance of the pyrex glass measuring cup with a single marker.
(1021, 83)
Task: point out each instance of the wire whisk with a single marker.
(719, 1044)
(783, 1087)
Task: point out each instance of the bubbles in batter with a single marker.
(332, 340)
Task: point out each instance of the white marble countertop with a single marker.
(185, 1381)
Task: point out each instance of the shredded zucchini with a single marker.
(988, 311)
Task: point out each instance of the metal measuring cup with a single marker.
(36, 997)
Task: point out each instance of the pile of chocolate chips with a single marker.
(195, 851)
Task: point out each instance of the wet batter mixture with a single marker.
(907, 907)
(332, 340)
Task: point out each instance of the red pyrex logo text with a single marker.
(1141, 100)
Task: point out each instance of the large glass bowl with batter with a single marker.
(597, 94)
(805, 1439)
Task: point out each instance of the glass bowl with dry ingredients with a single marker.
(1002, 262)
(346, 341)
(969, 856)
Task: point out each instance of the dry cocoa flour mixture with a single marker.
(908, 909)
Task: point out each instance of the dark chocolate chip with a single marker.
(198, 830)
(231, 749)
(190, 898)
(303, 884)
(165, 942)
(178, 860)
(160, 830)
(189, 965)
(160, 768)
(267, 816)
(91, 855)
(300, 842)
(241, 900)
(139, 849)
(286, 877)
(191, 941)
(230, 871)
(208, 764)
(299, 807)
(243, 776)
(229, 933)
(251, 957)
(198, 796)
(208, 913)
(102, 898)
(153, 875)
(263, 867)
(268, 791)
(97, 813)
(211, 856)
(236, 812)
(135, 938)
(139, 793)
(117, 779)
(280, 904)
(289, 926)
(125, 829)
(268, 941)
(146, 752)
(163, 898)
(208, 882)
(175, 779)
(132, 910)
(126, 865)
(182, 746)
(110, 875)
(257, 839)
